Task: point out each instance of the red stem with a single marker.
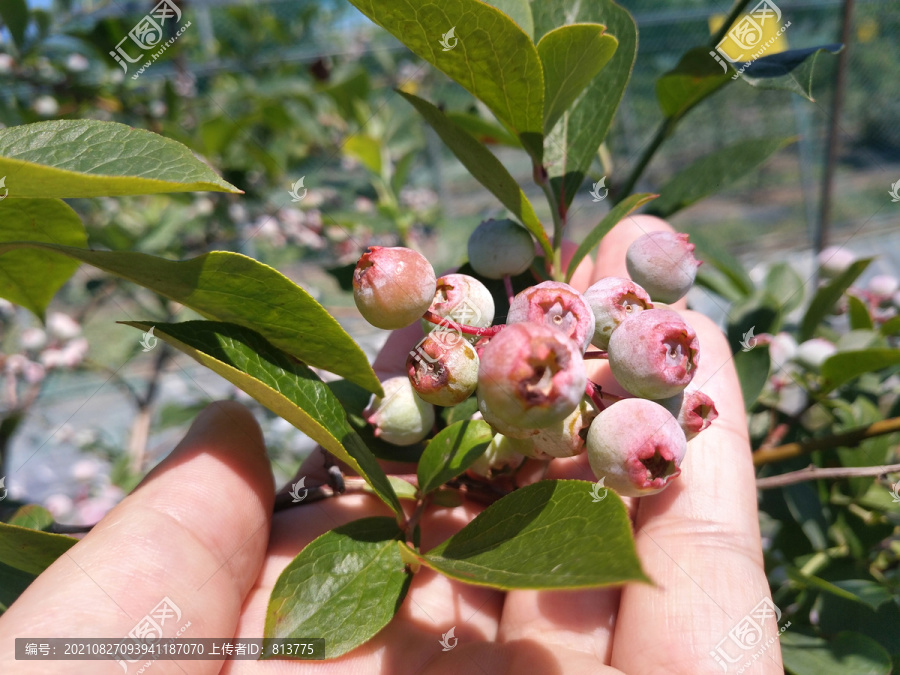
(593, 391)
(507, 282)
(437, 320)
(596, 355)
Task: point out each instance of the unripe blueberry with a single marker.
(654, 354)
(462, 299)
(613, 300)
(502, 427)
(693, 409)
(443, 368)
(499, 456)
(400, 417)
(812, 353)
(531, 376)
(393, 287)
(834, 260)
(557, 305)
(637, 446)
(562, 439)
(883, 286)
(500, 247)
(782, 350)
(664, 264)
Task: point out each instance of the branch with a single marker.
(815, 473)
(848, 439)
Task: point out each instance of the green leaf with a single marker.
(712, 253)
(866, 591)
(716, 282)
(890, 327)
(860, 319)
(484, 167)
(24, 554)
(571, 57)
(461, 411)
(451, 452)
(845, 366)
(753, 372)
(517, 10)
(491, 56)
(826, 297)
(482, 130)
(785, 285)
(345, 585)
(550, 534)
(756, 314)
(862, 591)
(696, 76)
(618, 213)
(231, 287)
(32, 516)
(287, 388)
(844, 653)
(364, 149)
(790, 70)
(714, 172)
(572, 146)
(46, 220)
(14, 14)
(87, 158)
(403, 489)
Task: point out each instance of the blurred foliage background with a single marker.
(270, 93)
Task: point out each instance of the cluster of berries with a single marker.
(529, 374)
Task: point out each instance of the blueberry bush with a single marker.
(499, 374)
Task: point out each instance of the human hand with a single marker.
(200, 531)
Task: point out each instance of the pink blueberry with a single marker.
(393, 287)
(531, 376)
(557, 305)
(613, 300)
(637, 446)
(654, 354)
(443, 368)
(664, 264)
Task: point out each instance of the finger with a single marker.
(583, 620)
(699, 539)
(433, 605)
(194, 531)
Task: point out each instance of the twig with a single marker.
(848, 439)
(815, 473)
(437, 320)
